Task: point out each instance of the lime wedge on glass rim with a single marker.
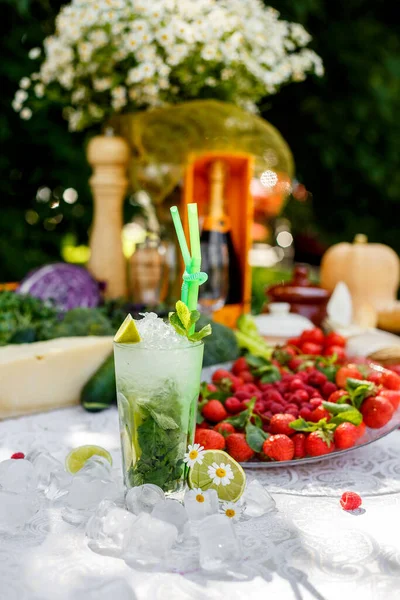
(77, 458)
(220, 462)
(127, 333)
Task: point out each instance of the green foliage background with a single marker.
(343, 131)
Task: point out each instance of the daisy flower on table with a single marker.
(221, 474)
(195, 454)
(232, 510)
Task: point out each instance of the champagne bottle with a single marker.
(218, 255)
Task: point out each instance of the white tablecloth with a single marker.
(309, 549)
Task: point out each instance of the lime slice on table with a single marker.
(215, 463)
(127, 333)
(78, 457)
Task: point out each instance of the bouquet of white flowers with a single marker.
(113, 56)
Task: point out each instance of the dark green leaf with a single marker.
(335, 408)
(303, 425)
(256, 361)
(255, 437)
(239, 421)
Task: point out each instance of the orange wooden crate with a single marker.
(238, 206)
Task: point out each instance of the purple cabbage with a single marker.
(68, 286)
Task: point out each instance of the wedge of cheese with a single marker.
(47, 375)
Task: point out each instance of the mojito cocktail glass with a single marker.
(157, 391)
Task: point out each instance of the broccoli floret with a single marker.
(81, 322)
(219, 347)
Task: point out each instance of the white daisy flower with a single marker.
(231, 510)
(220, 474)
(200, 497)
(194, 455)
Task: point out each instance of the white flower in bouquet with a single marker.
(113, 56)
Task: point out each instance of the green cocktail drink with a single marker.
(158, 381)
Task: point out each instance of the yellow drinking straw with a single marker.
(192, 277)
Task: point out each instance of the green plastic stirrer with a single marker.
(192, 277)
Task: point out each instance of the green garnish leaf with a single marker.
(255, 437)
(359, 390)
(350, 416)
(184, 320)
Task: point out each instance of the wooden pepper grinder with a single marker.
(108, 156)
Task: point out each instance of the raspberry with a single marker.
(317, 379)
(242, 395)
(305, 413)
(214, 411)
(17, 455)
(210, 439)
(246, 376)
(316, 401)
(233, 405)
(276, 407)
(300, 396)
(350, 501)
(280, 424)
(292, 411)
(273, 395)
(238, 448)
(259, 406)
(296, 384)
(327, 389)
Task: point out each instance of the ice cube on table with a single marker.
(45, 464)
(257, 500)
(172, 511)
(17, 476)
(59, 484)
(201, 504)
(117, 589)
(17, 509)
(143, 498)
(92, 484)
(152, 540)
(219, 547)
(110, 529)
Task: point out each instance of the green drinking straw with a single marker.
(192, 277)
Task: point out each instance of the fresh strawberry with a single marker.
(214, 411)
(238, 448)
(361, 429)
(338, 351)
(210, 439)
(280, 424)
(294, 342)
(390, 380)
(319, 443)
(328, 389)
(279, 447)
(315, 336)
(345, 436)
(335, 397)
(310, 348)
(17, 455)
(246, 377)
(319, 413)
(225, 429)
(211, 387)
(203, 425)
(221, 374)
(393, 396)
(240, 365)
(376, 411)
(350, 501)
(345, 372)
(299, 441)
(233, 405)
(334, 339)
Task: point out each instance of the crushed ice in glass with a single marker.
(158, 335)
(257, 500)
(143, 498)
(219, 546)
